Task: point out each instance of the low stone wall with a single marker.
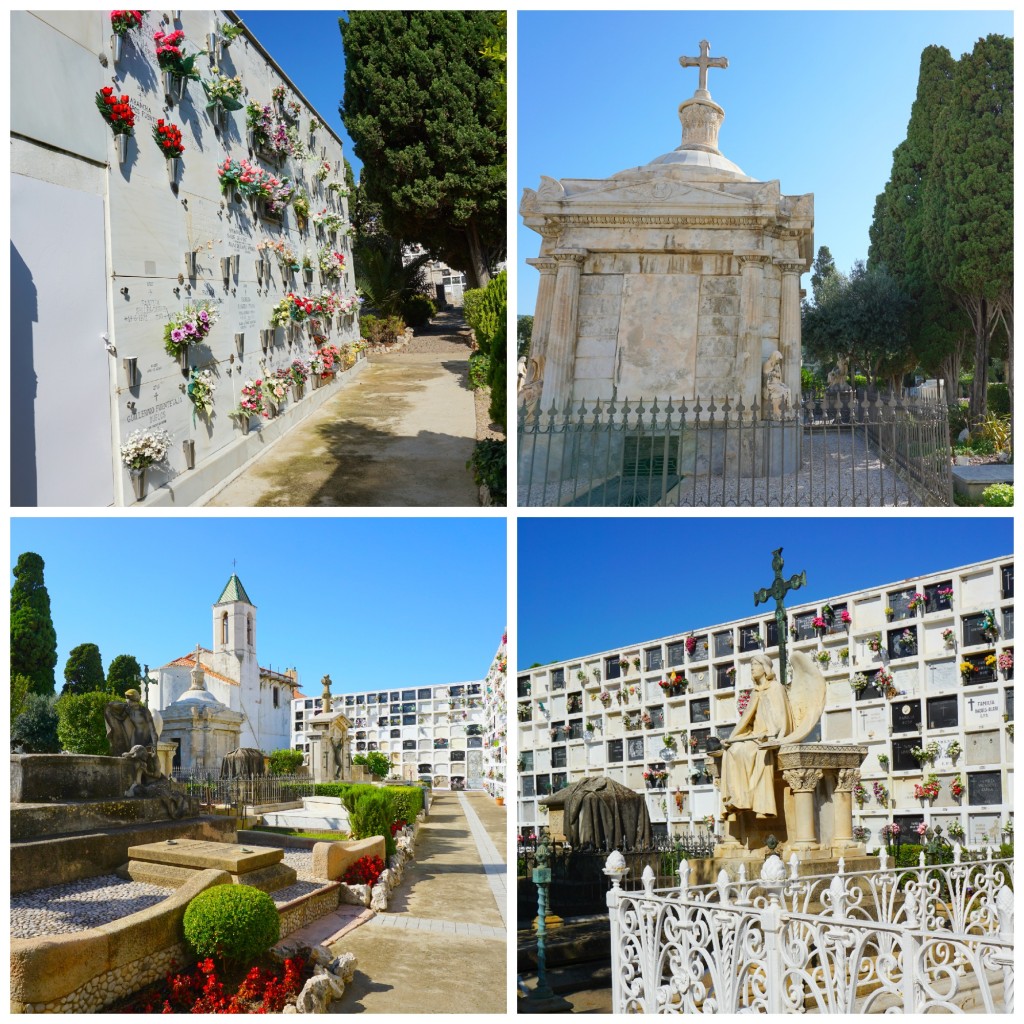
(86, 971)
(306, 909)
(332, 860)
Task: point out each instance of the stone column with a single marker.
(842, 801)
(560, 342)
(803, 782)
(789, 325)
(752, 263)
(534, 382)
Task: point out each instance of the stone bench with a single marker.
(332, 860)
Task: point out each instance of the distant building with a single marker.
(444, 285)
(233, 677)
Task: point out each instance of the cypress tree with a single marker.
(33, 638)
(83, 671)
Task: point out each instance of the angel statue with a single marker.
(773, 717)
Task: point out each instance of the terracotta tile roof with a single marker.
(189, 661)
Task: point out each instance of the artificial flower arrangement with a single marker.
(189, 327)
(300, 204)
(690, 643)
(322, 171)
(875, 642)
(823, 657)
(292, 109)
(171, 56)
(623, 665)
(819, 622)
(116, 111)
(122, 22)
(275, 386)
(223, 91)
(743, 701)
(907, 640)
(956, 831)
(927, 754)
(990, 661)
(845, 617)
(967, 669)
(327, 220)
(954, 750)
(861, 833)
(860, 794)
(884, 683)
(331, 263)
(168, 138)
(267, 132)
(605, 698)
(944, 594)
(883, 761)
(145, 448)
(669, 742)
(948, 636)
(1006, 661)
(200, 389)
(329, 354)
(286, 256)
(251, 403)
(881, 794)
(956, 788)
(655, 775)
(299, 372)
(296, 145)
(347, 306)
(337, 188)
(928, 790)
(917, 601)
(230, 174)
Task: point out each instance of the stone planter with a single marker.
(139, 483)
(122, 145)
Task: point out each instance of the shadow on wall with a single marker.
(24, 382)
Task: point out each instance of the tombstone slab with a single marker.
(174, 862)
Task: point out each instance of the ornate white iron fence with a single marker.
(916, 940)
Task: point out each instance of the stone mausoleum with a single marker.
(679, 278)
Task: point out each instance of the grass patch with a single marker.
(299, 834)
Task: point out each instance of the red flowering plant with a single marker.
(116, 111)
(397, 826)
(122, 22)
(201, 990)
(171, 56)
(365, 871)
(168, 138)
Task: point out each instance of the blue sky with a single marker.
(374, 602)
(818, 100)
(607, 583)
(307, 46)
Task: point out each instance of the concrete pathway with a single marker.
(399, 434)
(441, 945)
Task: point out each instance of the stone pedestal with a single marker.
(814, 787)
(174, 862)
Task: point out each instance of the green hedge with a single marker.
(80, 724)
(999, 399)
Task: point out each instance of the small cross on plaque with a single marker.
(704, 62)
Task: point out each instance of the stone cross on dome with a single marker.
(704, 62)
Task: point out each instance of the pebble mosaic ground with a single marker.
(90, 902)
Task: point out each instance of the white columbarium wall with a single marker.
(555, 705)
(86, 298)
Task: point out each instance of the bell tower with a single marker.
(234, 621)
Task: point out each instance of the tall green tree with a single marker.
(936, 325)
(123, 673)
(81, 727)
(33, 638)
(35, 729)
(967, 200)
(824, 275)
(83, 671)
(419, 105)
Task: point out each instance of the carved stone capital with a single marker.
(543, 264)
(753, 259)
(802, 780)
(788, 267)
(551, 230)
(569, 256)
(847, 779)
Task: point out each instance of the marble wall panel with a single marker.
(982, 748)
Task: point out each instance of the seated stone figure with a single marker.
(774, 716)
(775, 395)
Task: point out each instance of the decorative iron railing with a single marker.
(838, 450)
(251, 791)
(922, 939)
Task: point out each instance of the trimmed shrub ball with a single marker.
(234, 923)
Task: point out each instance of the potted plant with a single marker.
(142, 449)
(117, 112)
(844, 654)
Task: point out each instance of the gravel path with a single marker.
(75, 906)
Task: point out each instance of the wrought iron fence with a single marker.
(578, 884)
(914, 940)
(838, 450)
(251, 791)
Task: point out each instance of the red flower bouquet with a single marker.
(116, 111)
(123, 22)
(365, 871)
(168, 138)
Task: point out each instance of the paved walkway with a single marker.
(397, 435)
(441, 945)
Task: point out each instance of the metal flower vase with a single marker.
(122, 147)
(246, 420)
(170, 87)
(139, 483)
(225, 270)
(240, 343)
(212, 45)
(307, 276)
(266, 339)
(117, 46)
(190, 264)
(315, 378)
(173, 170)
(189, 448)
(236, 264)
(131, 370)
(183, 358)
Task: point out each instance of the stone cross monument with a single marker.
(778, 590)
(676, 279)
